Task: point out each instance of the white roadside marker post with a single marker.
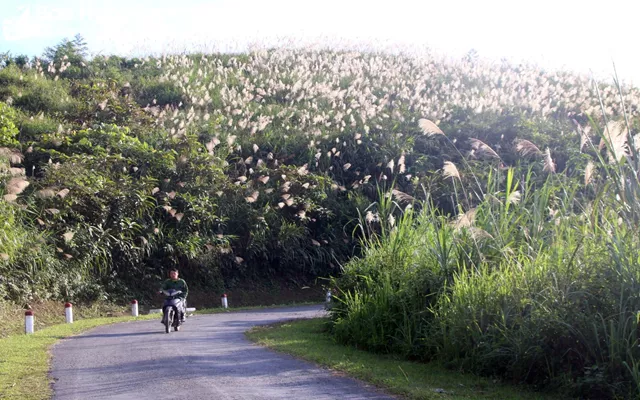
(134, 308)
(224, 301)
(68, 312)
(28, 322)
(327, 300)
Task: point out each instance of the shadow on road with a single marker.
(250, 367)
(115, 335)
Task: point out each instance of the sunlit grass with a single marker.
(536, 281)
(309, 340)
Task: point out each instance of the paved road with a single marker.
(209, 359)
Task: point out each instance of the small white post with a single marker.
(224, 301)
(328, 297)
(68, 312)
(134, 308)
(28, 322)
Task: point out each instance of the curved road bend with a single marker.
(209, 359)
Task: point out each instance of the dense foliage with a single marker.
(536, 279)
(286, 164)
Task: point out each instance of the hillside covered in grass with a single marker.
(235, 167)
(481, 215)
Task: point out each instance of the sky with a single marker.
(586, 36)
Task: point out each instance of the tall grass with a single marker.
(27, 264)
(536, 282)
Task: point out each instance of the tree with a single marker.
(7, 59)
(75, 51)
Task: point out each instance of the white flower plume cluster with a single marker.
(312, 91)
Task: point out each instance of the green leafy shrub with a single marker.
(158, 93)
(10, 82)
(32, 129)
(43, 95)
(8, 129)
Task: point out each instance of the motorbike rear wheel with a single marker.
(168, 319)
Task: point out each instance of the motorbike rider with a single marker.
(176, 283)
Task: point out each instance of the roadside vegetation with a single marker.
(534, 280)
(481, 215)
(310, 340)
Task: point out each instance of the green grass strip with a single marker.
(307, 339)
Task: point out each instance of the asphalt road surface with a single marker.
(208, 359)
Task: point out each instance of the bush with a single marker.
(28, 266)
(162, 92)
(8, 129)
(10, 82)
(43, 95)
(32, 129)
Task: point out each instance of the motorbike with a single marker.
(171, 309)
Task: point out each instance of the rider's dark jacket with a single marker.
(178, 284)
